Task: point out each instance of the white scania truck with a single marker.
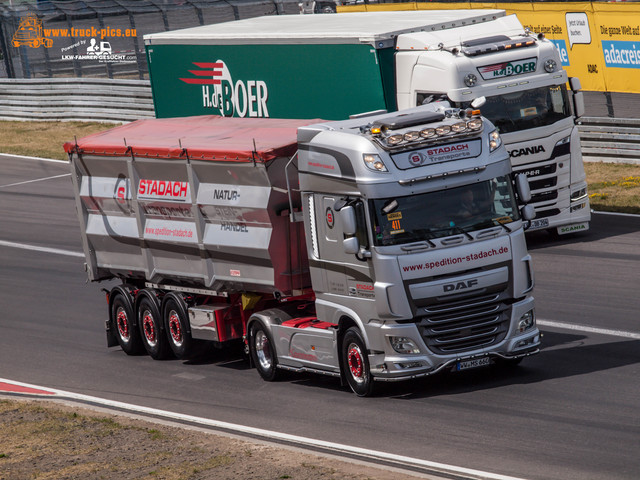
(381, 248)
(330, 66)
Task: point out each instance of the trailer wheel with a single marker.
(153, 339)
(176, 323)
(263, 352)
(356, 363)
(122, 319)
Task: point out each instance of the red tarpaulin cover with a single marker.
(206, 137)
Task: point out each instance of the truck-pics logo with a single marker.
(230, 99)
(31, 33)
(508, 69)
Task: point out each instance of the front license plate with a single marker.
(475, 363)
(542, 223)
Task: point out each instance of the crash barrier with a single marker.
(83, 99)
(615, 140)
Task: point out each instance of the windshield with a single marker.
(453, 211)
(537, 107)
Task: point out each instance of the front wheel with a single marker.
(263, 352)
(356, 363)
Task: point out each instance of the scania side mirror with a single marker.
(575, 84)
(347, 215)
(528, 212)
(578, 96)
(478, 102)
(524, 192)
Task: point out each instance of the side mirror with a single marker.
(524, 192)
(478, 102)
(578, 104)
(351, 245)
(347, 216)
(575, 84)
(528, 212)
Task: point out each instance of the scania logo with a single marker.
(463, 285)
(526, 151)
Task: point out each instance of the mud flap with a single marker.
(112, 340)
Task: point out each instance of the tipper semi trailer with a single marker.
(331, 66)
(381, 248)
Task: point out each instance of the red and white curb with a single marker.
(374, 458)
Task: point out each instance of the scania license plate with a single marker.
(475, 363)
(536, 224)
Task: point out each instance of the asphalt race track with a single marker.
(571, 412)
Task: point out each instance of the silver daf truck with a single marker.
(381, 248)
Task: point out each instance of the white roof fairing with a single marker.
(357, 27)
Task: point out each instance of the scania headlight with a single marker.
(403, 345)
(374, 162)
(527, 321)
(494, 140)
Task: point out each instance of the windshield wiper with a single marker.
(462, 230)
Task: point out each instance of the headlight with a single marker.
(403, 345)
(494, 140)
(374, 162)
(527, 321)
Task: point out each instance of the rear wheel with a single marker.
(263, 352)
(356, 363)
(153, 338)
(177, 327)
(122, 319)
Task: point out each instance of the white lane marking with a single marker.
(55, 251)
(585, 328)
(10, 156)
(310, 442)
(36, 180)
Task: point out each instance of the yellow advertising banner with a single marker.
(598, 42)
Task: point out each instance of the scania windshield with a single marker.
(527, 109)
(453, 211)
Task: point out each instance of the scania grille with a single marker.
(544, 196)
(547, 213)
(543, 183)
(461, 326)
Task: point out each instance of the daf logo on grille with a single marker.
(452, 287)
